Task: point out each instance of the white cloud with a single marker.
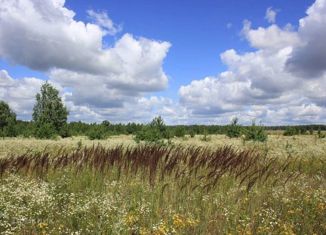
(259, 84)
(19, 93)
(102, 19)
(272, 37)
(309, 60)
(75, 57)
(270, 15)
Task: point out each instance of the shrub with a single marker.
(156, 131)
(290, 131)
(179, 131)
(192, 134)
(255, 133)
(234, 130)
(64, 132)
(7, 120)
(45, 131)
(97, 132)
(206, 137)
(320, 134)
(9, 130)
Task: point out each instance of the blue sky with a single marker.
(208, 65)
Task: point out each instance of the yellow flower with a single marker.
(144, 231)
(192, 222)
(131, 219)
(287, 229)
(42, 225)
(178, 221)
(321, 206)
(161, 229)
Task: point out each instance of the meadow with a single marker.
(213, 185)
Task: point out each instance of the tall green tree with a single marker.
(7, 120)
(49, 110)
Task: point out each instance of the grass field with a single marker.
(191, 186)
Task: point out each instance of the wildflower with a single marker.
(42, 225)
(162, 229)
(321, 206)
(144, 231)
(178, 221)
(131, 219)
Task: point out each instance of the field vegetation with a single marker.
(188, 186)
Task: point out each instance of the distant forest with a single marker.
(27, 129)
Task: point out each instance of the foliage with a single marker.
(97, 132)
(234, 130)
(297, 130)
(321, 135)
(45, 131)
(179, 131)
(205, 136)
(7, 120)
(155, 131)
(49, 109)
(64, 131)
(255, 133)
(192, 133)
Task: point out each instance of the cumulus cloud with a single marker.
(272, 37)
(309, 60)
(75, 56)
(266, 83)
(19, 93)
(270, 15)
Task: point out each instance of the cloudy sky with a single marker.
(199, 61)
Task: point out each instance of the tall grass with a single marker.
(155, 189)
(154, 163)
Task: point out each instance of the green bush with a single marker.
(255, 133)
(205, 137)
(179, 131)
(45, 131)
(64, 131)
(97, 132)
(234, 130)
(10, 130)
(320, 134)
(192, 134)
(156, 131)
(290, 131)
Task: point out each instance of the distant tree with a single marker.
(158, 123)
(234, 129)
(155, 131)
(49, 111)
(320, 134)
(7, 120)
(290, 131)
(255, 133)
(179, 131)
(97, 132)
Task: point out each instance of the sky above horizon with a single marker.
(199, 61)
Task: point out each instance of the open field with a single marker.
(277, 144)
(190, 186)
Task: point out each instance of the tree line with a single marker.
(50, 120)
